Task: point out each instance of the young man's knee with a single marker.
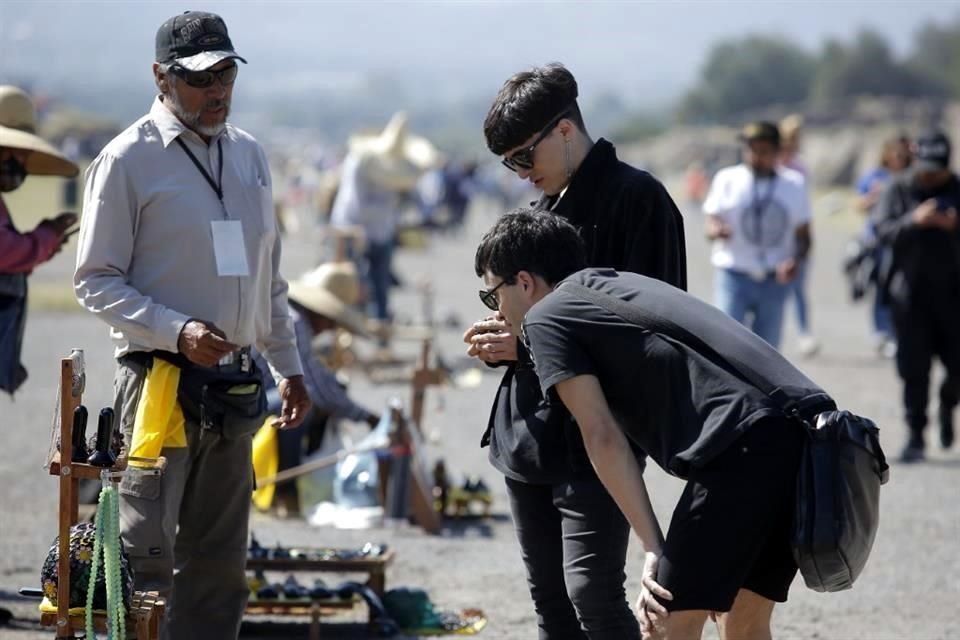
(683, 625)
(749, 619)
(734, 628)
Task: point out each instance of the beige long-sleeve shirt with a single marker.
(146, 262)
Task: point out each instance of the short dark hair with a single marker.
(534, 241)
(761, 130)
(527, 102)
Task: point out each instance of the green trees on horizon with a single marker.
(760, 71)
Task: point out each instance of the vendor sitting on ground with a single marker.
(319, 301)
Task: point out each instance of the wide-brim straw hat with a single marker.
(17, 131)
(396, 143)
(331, 290)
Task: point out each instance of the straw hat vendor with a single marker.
(23, 153)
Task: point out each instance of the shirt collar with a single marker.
(169, 126)
(580, 196)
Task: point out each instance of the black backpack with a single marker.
(842, 467)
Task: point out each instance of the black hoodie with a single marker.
(630, 223)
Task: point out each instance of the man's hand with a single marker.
(717, 229)
(928, 216)
(945, 220)
(203, 343)
(296, 403)
(491, 340)
(926, 213)
(948, 219)
(651, 614)
(787, 270)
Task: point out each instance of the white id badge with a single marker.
(229, 248)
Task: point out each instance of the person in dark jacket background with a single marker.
(917, 216)
(572, 536)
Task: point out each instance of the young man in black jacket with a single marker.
(572, 536)
(633, 382)
(917, 217)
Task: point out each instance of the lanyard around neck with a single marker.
(758, 204)
(216, 186)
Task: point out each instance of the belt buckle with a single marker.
(758, 275)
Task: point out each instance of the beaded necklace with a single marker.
(107, 540)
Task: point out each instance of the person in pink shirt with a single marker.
(23, 153)
(22, 252)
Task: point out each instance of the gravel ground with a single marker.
(909, 590)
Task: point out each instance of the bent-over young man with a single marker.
(728, 547)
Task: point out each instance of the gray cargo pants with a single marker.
(186, 531)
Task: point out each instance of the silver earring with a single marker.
(566, 156)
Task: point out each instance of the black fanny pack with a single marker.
(228, 400)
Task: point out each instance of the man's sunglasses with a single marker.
(523, 159)
(204, 79)
(490, 298)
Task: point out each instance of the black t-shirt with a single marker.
(679, 406)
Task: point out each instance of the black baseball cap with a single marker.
(760, 130)
(195, 40)
(933, 152)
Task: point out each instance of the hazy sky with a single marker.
(648, 51)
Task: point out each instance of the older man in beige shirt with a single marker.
(179, 254)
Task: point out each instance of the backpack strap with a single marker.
(643, 317)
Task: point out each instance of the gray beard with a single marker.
(192, 118)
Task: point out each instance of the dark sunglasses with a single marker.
(204, 79)
(490, 298)
(523, 159)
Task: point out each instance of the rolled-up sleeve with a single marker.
(104, 255)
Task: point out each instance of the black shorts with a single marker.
(732, 528)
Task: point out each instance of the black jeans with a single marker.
(573, 539)
(927, 327)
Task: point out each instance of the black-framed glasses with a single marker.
(490, 298)
(204, 79)
(523, 159)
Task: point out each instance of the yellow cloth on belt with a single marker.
(266, 461)
(159, 421)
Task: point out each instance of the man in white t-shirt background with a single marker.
(758, 218)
